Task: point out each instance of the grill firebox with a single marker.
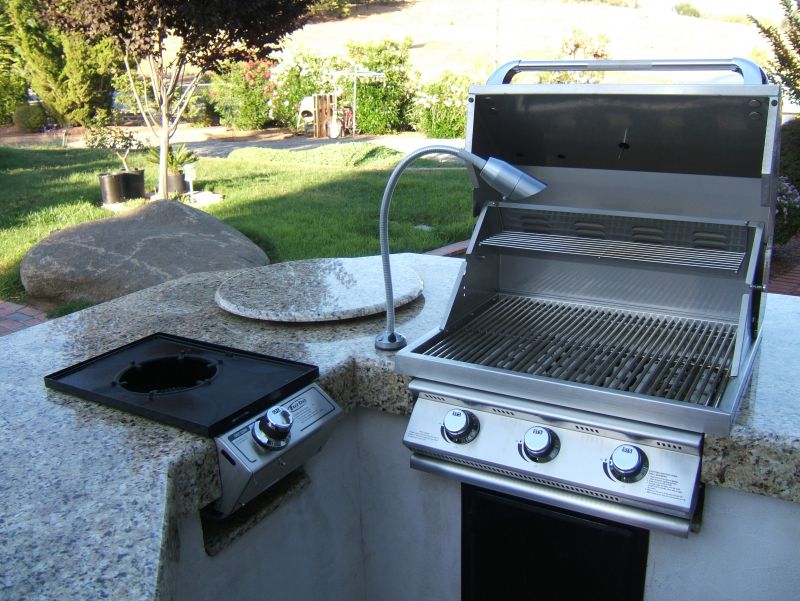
(645, 353)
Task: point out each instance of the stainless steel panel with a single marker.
(558, 498)
(709, 134)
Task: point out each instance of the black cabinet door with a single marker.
(514, 549)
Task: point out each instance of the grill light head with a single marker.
(512, 183)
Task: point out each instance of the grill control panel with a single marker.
(593, 460)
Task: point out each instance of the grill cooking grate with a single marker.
(658, 355)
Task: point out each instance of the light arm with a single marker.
(511, 182)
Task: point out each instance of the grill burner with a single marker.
(168, 374)
(646, 353)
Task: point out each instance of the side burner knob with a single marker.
(628, 463)
(273, 429)
(540, 444)
(460, 426)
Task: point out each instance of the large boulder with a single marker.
(100, 260)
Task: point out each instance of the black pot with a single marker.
(111, 187)
(176, 184)
(133, 184)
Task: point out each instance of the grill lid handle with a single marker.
(750, 72)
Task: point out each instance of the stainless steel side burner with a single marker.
(266, 414)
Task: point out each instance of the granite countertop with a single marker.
(91, 495)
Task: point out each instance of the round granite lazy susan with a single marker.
(316, 290)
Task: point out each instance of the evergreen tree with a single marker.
(785, 67)
(13, 85)
(71, 77)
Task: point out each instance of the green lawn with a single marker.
(294, 204)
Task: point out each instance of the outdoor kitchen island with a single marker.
(98, 503)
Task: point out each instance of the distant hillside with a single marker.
(473, 36)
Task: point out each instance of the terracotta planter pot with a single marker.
(111, 187)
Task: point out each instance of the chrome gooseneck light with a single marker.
(513, 183)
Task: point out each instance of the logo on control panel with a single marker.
(295, 405)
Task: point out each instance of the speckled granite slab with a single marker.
(316, 290)
(91, 494)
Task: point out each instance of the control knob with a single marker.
(628, 463)
(460, 426)
(273, 429)
(540, 444)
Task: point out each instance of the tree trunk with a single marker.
(164, 150)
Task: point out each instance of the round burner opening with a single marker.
(167, 374)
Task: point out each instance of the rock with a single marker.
(163, 240)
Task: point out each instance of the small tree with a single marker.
(205, 35)
(785, 66)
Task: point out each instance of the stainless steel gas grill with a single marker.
(598, 330)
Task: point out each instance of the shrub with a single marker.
(440, 107)
(12, 93)
(787, 211)
(297, 76)
(201, 110)
(114, 139)
(383, 105)
(241, 94)
(30, 117)
(686, 10)
(790, 151)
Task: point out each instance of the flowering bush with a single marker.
(242, 93)
(440, 108)
(787, 211)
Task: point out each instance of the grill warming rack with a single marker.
(615, 249)
(677, 358)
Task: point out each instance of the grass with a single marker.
(294, 204)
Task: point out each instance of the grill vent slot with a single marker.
(653, 235)
(434, 397)
(590, 229)
(587, 429)
(528, 478)
(503, 411)
(669, 445)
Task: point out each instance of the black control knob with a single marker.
(540, 444)
(628, 463)
(273, 429)
(460, 426)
